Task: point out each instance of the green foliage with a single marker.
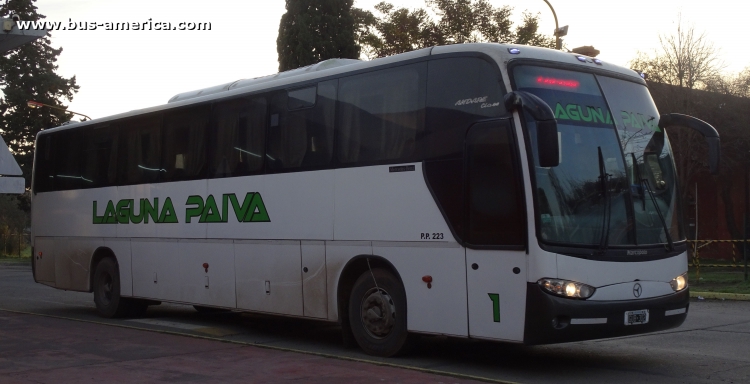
(398, 30)
(315, 30)
(12, 218)
(28, 73)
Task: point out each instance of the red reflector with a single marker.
(427, 279)
(558, 82)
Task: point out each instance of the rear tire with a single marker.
(106, 283)
(377, 316)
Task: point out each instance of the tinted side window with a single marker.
(138, 156)
(238, 137)
(69, 147)
(495, 207)
(460, 92)
(184, 153)
(101, 156)
(303, 137)
(381, 114)
(43, 164)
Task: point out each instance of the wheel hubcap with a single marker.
(105, 288)
(378, 313)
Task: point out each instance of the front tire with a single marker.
(377, 315)
(107, 297)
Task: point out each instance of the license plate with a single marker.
(636, 317)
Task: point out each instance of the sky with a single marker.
(119, 71)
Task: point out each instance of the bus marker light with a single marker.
(205, 266)
(560, 82)
(514, 51)
(427, 279)
(581, 59)
(597, 61)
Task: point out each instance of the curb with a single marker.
(721, 295)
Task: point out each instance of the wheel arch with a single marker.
(349, 275)
(99, 254)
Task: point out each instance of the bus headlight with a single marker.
(679, 283)
(567, 288)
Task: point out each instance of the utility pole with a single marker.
(559, 32)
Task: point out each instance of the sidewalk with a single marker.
(41, 349)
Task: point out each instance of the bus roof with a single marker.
(500, 52)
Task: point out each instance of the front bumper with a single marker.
(551, 319)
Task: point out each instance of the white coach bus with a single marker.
(486, 191)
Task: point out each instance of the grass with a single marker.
(719, 279)
(14, 259)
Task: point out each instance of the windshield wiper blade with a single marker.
(637, 171)
(604, 177)
(658, 212)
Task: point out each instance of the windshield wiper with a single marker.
(637, 171)
(658, 212)
(603, 178)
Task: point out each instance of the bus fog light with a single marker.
(566, 288)
(679, 283)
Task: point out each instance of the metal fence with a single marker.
(14, 244)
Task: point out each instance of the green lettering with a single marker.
(572, 110)
(225, 208)
(97, 219)
(560, 112)
(211, 211)
(241, 210)
(195, 211)
(598, 114)
(635, 121)
(168, 214)
(150, 210)
(135, 219)
(495, 306)
(584, 117)
(257, 211)
(110, 213)
(609, 118)
(123, 211)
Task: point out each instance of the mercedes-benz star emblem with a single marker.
(637, 290)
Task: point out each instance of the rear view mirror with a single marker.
(546, 126)
(705, 129)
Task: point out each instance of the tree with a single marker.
(398, 30)
(686, 59)
(28, 73)
(315, 30)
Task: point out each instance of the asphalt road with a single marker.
(712, 346)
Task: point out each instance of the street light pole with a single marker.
(36, 104)
(558, 43)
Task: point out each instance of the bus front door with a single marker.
(495, 234)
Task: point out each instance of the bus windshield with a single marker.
(615, 184)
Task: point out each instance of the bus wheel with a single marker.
(107, 290)
(378, 314)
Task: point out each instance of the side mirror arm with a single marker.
(709, 134)
(546, 132)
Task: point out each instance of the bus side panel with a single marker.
(299, 206)
(71, 213)
(387, 203)
(338, 253)
(178, 193)
(314, 296)
(45, 260)
(269, 276)
(141, 195)
(73, 260)
(156, 269)
(121, 249)
(207, 272)
(440, 308)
